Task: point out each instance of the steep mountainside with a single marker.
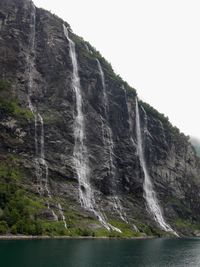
(196, 144)
(79, 154)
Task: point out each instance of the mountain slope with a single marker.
(196, 144)
(69, 140)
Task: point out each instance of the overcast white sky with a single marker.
(153, 44)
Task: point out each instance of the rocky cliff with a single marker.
(69, 157)
(196, 144)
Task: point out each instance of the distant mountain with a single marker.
(196, 144)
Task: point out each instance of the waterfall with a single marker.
(62, 215)
(130, 122)
(43, 162)
(163, 131)
(30, 61)
(80, 150)
(149, 193)
(146, 131)
(80, 154)
(41, 166)
(109, 144)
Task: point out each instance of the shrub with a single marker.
(14, 229)
(4, 85)
(10, 105)
(12, 108)
(3, 227)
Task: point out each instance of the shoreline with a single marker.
(29, 237)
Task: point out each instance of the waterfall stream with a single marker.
(86, 193)
(149, 192)
(41, 166)
(62, 215)
(80, 150)
(109, 144)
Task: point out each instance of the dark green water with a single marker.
(100, 253)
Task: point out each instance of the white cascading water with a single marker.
(62, 215)
(44, 165)
(131, 138)
(163, 131)
(86, 193)
(146, 131)
(109, 144)
(129, 118)
(42, 170)
(80, 151)
(149, 193)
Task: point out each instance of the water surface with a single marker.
(100, 253)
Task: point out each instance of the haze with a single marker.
(153, 45)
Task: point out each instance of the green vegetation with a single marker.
(127, 231)
(100, 231)
(5, 85)
(144, 228)
(185, 225)
(12, 108)
(10, 105)
(180, 223)
(17, 207)
(81, 231)
(3, 227)
(21, 211)
(53, 228)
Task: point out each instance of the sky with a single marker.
(153, 45)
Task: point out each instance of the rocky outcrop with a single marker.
(196, 144)
(35, 60)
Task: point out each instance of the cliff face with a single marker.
(38, 138)
(196, 144)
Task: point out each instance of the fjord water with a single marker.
(101, 253)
